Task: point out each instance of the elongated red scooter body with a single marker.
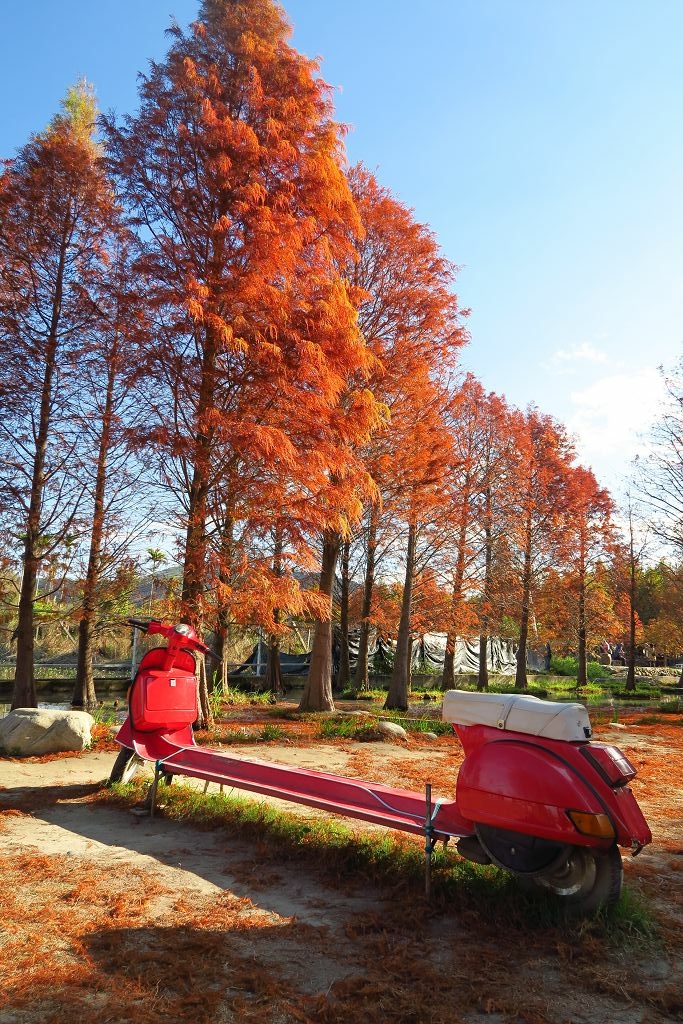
(534, 795)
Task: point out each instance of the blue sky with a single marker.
(542, 142)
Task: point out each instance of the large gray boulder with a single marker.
(27, 732)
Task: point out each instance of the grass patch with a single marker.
(233, 737)
(220, 700)
(630, 920)
(391, 861)
(435, 725)
(105, 714)
(348, 728)
(349, 693)
(671, 707)
(365, 728)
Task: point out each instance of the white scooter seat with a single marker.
(518, 713)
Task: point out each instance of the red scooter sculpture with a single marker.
(534, 795)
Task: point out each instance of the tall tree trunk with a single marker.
(317, 695)
(24, 694)
(361, 677)
(631, 672)
(223, 619)
(520, 676)
(273, 676)
(448, 676)
(194, 564)
(220, 676)
(448, 679)
(344, 672)
(84, 694)
(582, 668)
(205, 719)
(84, 689)
(193, 585)
(399, 685)
(483, 675)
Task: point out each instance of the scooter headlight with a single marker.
(183, 629)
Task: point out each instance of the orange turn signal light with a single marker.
(597, 825)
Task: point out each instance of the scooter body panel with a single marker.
(520, 787)
(526, 784)
(183, 737)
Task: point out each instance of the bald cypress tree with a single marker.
(232, 171)
(55, 208)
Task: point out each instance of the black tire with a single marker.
(585, 880)
(125, 766)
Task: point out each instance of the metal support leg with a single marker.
(430, 841)
(158, 771)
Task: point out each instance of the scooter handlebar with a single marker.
(199, 645)
(141, 624)
(154, 626)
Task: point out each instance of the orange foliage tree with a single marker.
(232, 170)
(420, 467)
(591, 534)
(56, 207)
(539, 520)
(627, 567)
(468, 422)
(481, 486)
(411, 322)
(111, 410)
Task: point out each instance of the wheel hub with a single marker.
(578, 872)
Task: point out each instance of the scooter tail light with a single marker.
(612, 765)
(597, 825)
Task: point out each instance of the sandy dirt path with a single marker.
(320, 949)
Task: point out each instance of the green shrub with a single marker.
(671, 706)
(271, 732)
(570, 667)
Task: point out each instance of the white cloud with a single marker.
(565, 361)
(611, 415)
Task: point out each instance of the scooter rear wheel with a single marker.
(586, 879)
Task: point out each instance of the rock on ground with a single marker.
(393, 730)
(27, 732)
